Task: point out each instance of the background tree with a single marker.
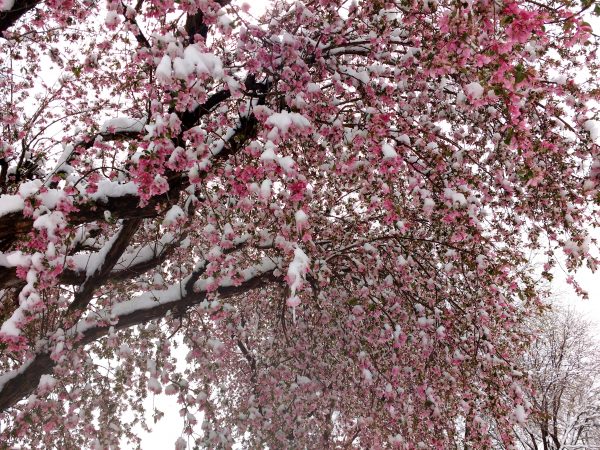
(331, 205)
(564, 364)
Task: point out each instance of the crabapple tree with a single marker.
(312, 228)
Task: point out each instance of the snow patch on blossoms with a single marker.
(164, 70)
(12, 326)
(180, 444)
(173, 215)
(592, 127)
(154, 385)
(107, 188)
(265, 189)
(52, 223)
(287, 163)
(268, 155)
(123, 124)
(11, 204)
(112, 20)
(474, 90)
(295, 274)
(47, 383)
(455, 197)
(39, 269)
(29, 188)
(195, 61)
(301, 220)
(49, 199)
(52, 197)
(404, 139)
(396, 440)
(215, 345)
(14, 259)
(519, 414)
(282, 122)
(388, 151)
(171, 389)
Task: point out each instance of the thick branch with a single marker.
(127, 206)
(137, 31)
(123, 207)
(195, 25)
(25, 382)
(190, 118)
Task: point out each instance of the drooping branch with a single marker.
(18, 384)
(136, 30)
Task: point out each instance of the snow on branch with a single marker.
(18, 383)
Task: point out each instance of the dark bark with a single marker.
(124, 207)
(25, 383)
(194, 25)
(86, 291)
(3, 172)
(190, 118)
(8, 18)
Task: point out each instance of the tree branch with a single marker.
(99, 276)
(122, 207)
(9, 279)
(8, 18)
